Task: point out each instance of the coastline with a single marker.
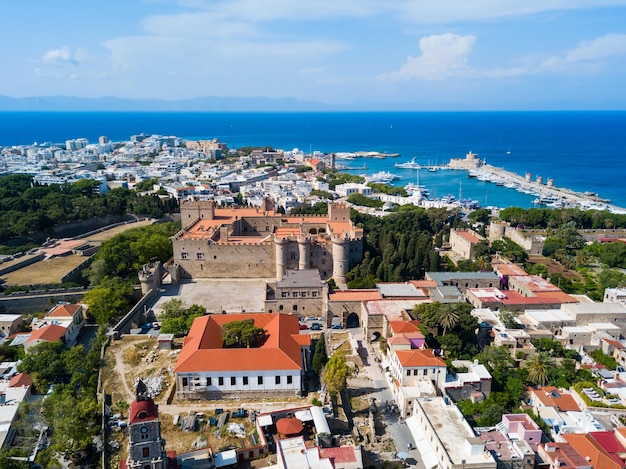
(563, 197)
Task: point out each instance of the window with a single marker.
(245, 380)
(425, 371)
(289, 379)
(293, 256)
(260, 380)
(277, 380)
(408, 372)
(314, 294)
(220, 381)
(302, 294)
(323, 261)
(185, 382)
(184, 255)
(233, 380)
(415, 372)
(208, 381)
(146, 452)
(295, 294)
(200, 255)
(284, 294)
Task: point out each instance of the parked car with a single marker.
(156, 326)
(303, 327)
(336, 326)
(316, 326)
(311, 318)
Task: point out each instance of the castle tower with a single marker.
(303, 252)
(338, 212)
(146, 448)
(192, 210)
(341, 250)
(146, 278)
(280, 257)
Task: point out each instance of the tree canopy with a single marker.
(242, 334)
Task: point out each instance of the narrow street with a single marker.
(398, 429)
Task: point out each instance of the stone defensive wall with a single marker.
(25, 261)
(35, 303)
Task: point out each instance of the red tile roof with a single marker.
(49, 333)
(202, 349)
(142, 411)
(355, 295)
(600, 447)
(19, 380)
(418, 358)
(64, 311)
(400, 327)
(343, 454)
(552, 397)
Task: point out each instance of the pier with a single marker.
(547, 194)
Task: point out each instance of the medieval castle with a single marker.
(226, 242)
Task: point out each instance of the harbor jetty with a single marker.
(546, 193)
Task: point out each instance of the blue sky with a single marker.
(449, 54)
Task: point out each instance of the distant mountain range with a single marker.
(206, 104)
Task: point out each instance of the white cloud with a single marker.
(588, 54)
(63, 55)
(451, 11)
(442, 56)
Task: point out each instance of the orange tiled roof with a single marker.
(468, 236)
(19, 380)
(509, 269)
(423, 283)
(355, 295)
(419, 358)
(552, 397)
(64, 311)
(202, 349)
(49, 333)
(586, 445)
(401, 327)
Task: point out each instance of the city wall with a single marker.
(26, 304)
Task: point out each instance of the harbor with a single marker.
(478, 184)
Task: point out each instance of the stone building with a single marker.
(226, 242)
(463, 243)
(301, 292)
(146, 448)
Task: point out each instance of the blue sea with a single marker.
(584, 151)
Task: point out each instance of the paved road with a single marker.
(398, 429)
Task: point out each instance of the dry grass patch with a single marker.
(44, 272)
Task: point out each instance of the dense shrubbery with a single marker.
(27, 208)
(551, 218)
(399, 246)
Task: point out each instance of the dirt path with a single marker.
(121, 371)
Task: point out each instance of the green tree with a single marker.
(448, 317)
(44, 364)
(320, 357)
(538, 368)
(336, 374)
(109, 300)
(242, 334)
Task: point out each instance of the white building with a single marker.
(207, 369)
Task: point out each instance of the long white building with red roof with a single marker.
(206, 369)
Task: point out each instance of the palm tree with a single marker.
(448, 317)
(538, 368)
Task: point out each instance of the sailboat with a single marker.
(508, 152)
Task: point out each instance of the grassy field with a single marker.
(45, 272)
(51, 271)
